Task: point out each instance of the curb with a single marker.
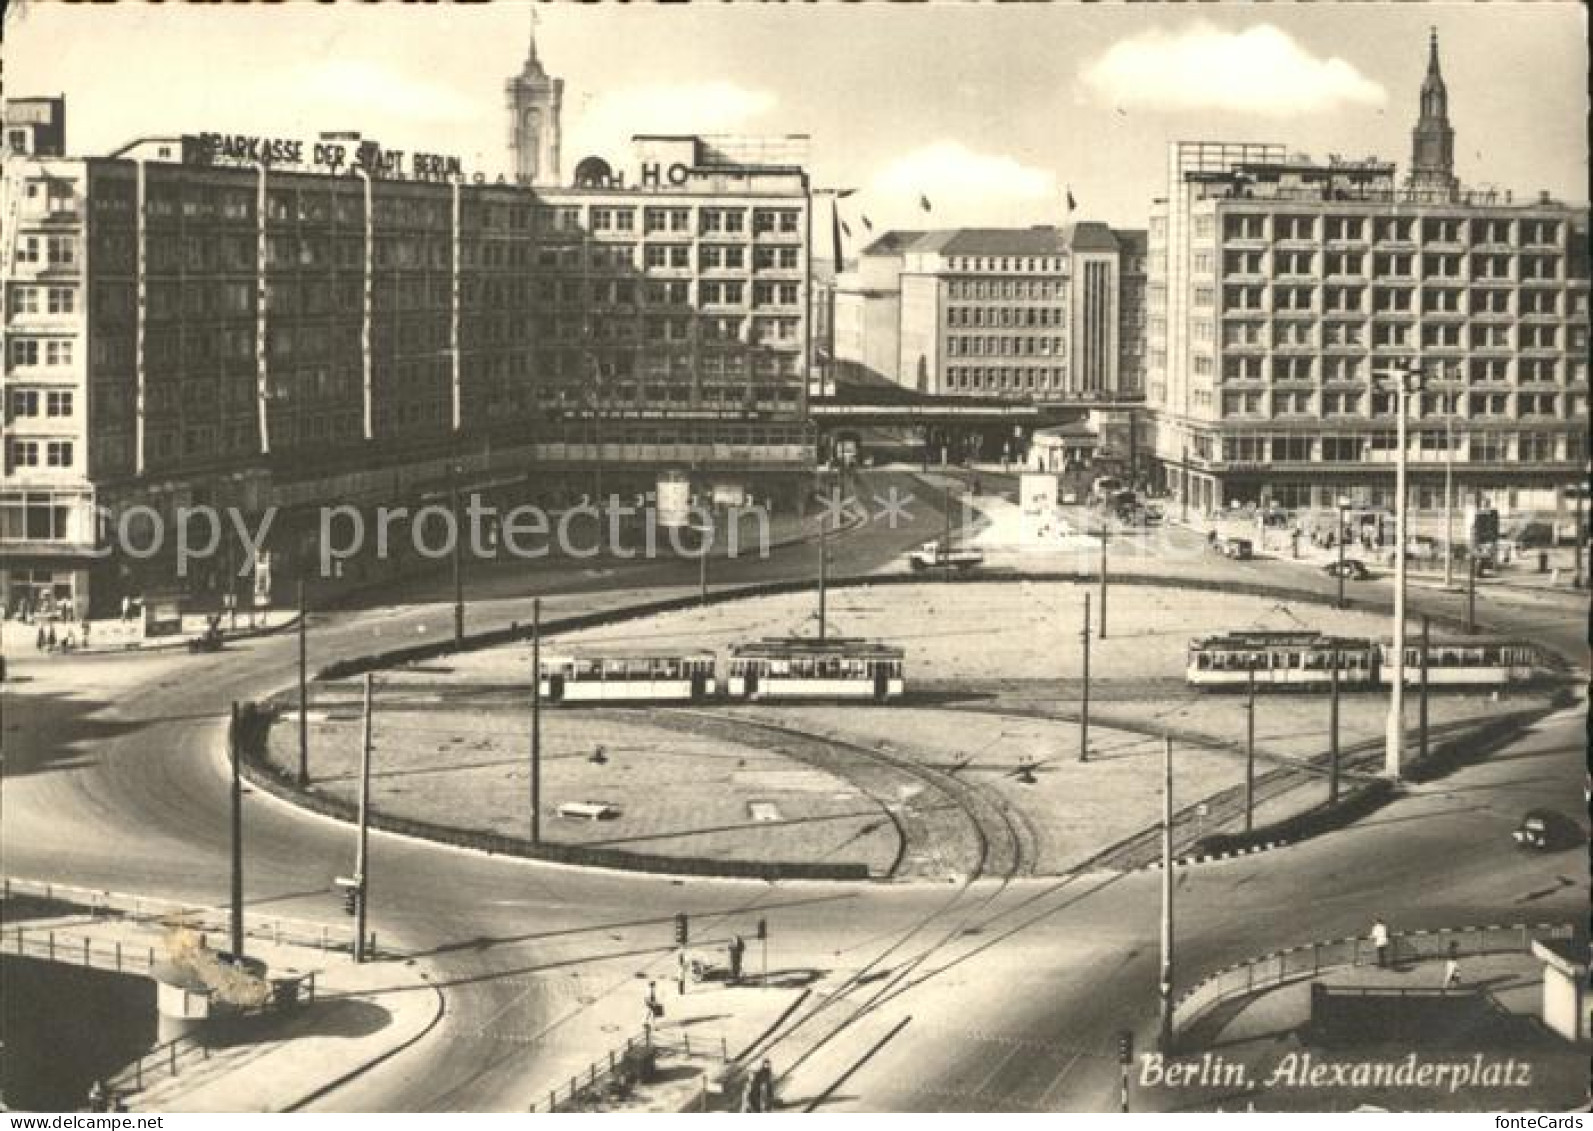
(1213, 858)
(413, 1039)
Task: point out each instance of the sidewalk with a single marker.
(269, 1061)
(113, 637)
(1263, 1052)
(1275, 544)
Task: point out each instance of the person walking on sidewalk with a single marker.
(760, 1089)
(1452, 965)
(1380, 941)
(738, 949)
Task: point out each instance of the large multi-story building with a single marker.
(1282, 289)
(1036, 313)
(260, 322)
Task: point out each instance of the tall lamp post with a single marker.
(1402, 384)
(1344, 507)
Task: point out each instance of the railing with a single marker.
(142, 909)
(167, 1059)
(1291, 965)
(620, 1071)
(80, 950)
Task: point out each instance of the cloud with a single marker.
(1258, 71)
(606, 123)
(962, 186)
(350, 89)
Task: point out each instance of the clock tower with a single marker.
(534, 99)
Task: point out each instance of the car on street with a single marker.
(1240, 549)
(1352, 569)
(938, 555)
(1545, 830)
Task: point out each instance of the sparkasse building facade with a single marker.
(266, 322)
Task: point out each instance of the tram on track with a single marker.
(1305, 660)
(629, 678)
(800, 668)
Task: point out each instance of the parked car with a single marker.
(1240, 549)
(1352, 568)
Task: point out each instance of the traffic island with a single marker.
(984, 769)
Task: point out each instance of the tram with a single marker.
(1464, 663)
(1280, 660)
(1305, 660)
(796, 668)
(633, 677)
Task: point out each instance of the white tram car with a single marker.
(815, 669)
(1305, 660)
(634, 678)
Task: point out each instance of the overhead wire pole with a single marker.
(236, 916)
(1084, 698)
(1405, 383)
(824, 569)
(1421, 748)
(1103, 580)
(1333, 730)
(362, 879)
(1449, 491)
(459, 570)
(304, 689)
(1165, 982)
(1250, 751)
(536, 720)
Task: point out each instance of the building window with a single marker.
(24, 351)
(24, 402)
(57, 403)
(24, 453)
(61, 251)
(58, 453)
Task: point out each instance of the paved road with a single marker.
(113, 779)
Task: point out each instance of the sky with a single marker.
(994, 113)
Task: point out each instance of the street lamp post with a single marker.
(1404, 383)
(1344, 506)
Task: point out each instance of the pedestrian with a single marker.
(653, 1007)
(1380, 941)
(760, 1089)
(85, 632)
(1452, 965)
(39, 641)
(49, 638)
(96, 1097)
(738, 948)
(127, 609)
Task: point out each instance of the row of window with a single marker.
(1254, 367)
(1389, 300)
(1385, 229)
(43, 300)
(1299, 402)
(207, 202)
(30, 402)
(999, 378)
(973, 345)
(1006, 316)
(1525, 447)
(39, 453)
(1027, 263)
(1496, 266)
(51, 353)
(1027, 290)
(209, 254)
(1393, 335)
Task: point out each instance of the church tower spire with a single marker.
(535, 99)
(1432, 163)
